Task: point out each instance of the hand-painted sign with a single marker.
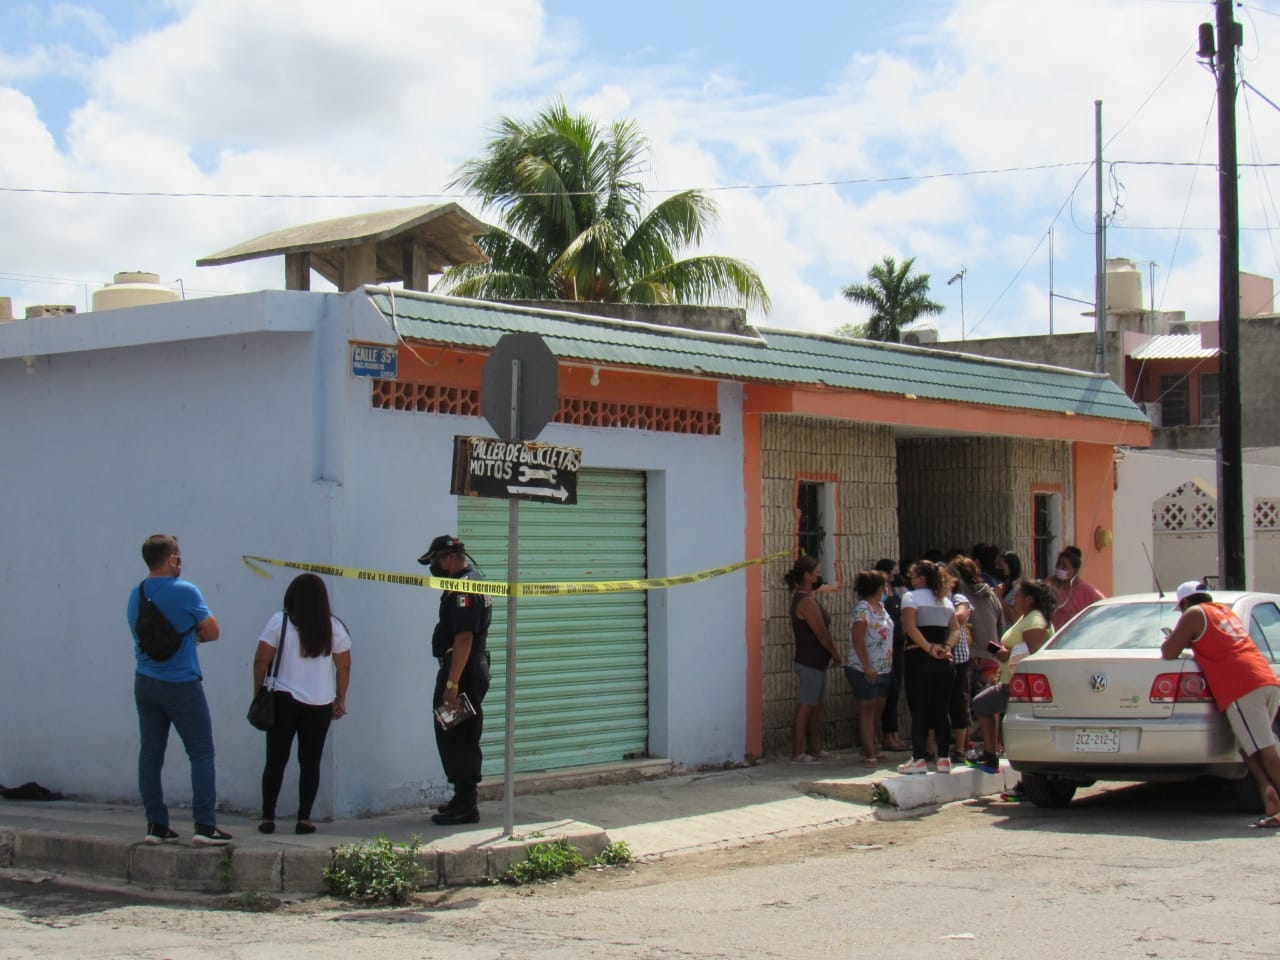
(373, 360)
(485, 467)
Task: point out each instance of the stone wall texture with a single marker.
(895, 498)
(861, 460)
(955, 492)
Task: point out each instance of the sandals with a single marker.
(872, 762)
(1269, 822)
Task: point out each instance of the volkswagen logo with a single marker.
(1098, 682)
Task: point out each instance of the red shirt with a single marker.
(1080, 594)
(1230, 661)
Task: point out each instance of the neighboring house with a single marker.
(1166, 497)
(249, 424)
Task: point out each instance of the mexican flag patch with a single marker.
(464, 600)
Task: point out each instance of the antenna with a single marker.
(1154, 578)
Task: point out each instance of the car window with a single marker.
(1121, 626)
(1264, 627)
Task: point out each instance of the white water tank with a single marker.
(1124, 286)
(132, 288)
(920, 334)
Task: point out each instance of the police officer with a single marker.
(459, 644)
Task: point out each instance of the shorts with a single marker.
(1251, 718)
(993, 701)
(813, 684)
(864, 689)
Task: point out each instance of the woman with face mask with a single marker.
(815, 652)
(1075, 593)
(932, 630)
(870, 663)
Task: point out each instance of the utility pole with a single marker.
(1230, 454)
(1099, 249)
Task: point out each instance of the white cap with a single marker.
(1191, 588)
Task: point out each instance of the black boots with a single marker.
(461, 809)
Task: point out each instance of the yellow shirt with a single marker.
(1013, 636)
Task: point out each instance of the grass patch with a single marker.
(560, 858)
(616, 854)
(375, 871)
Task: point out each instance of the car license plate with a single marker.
(1097, 740)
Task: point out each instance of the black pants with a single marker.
(460, 746)
(959, 705)
(928, 686)
(889, 718)
(311, 725)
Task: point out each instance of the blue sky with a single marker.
(830, 135)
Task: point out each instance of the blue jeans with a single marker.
(183, 705)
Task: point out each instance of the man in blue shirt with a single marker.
(169, 692)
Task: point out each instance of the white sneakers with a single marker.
(913, 766)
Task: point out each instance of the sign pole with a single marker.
(513, 552)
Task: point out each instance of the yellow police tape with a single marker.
(497, 588)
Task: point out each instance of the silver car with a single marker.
(1098, 702)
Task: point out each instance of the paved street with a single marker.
(1151, 871)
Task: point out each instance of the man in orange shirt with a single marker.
(1241, 680)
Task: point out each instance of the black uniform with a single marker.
(460, 746)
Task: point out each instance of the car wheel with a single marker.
(1248, 797)
(1046, 790)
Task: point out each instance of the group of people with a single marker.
(947, 636)
(303, 657)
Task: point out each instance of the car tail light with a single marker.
(1188, 687)
(1030, 688)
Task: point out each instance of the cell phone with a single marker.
(993, 646)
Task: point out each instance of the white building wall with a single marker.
(1143, 477)
(234, 423)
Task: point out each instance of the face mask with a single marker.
(817, 583)
(1062, 573)
(436, 569)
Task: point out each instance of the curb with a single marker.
(917, 791)
(190, 869)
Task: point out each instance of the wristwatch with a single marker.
(450, 685)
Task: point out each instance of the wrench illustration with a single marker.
(529, 473)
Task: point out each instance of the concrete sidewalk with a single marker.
(656, 816)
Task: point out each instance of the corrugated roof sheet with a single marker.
(771, 356)
(1174, 346)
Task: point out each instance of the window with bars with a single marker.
(1046, 539)
(1175, 400)
(816, 510)
(1208, 398)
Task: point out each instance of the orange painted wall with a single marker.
(905, 411)
(1093, 479)
(457, 368)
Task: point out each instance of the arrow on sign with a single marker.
(559, 493)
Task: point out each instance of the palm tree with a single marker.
(895, 296)
(575, 227)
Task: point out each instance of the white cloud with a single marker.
(305, 97)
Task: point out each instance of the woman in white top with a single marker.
(310, 690)
(929, 622)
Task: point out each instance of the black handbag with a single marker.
(262, 711)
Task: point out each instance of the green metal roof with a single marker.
(771, 355)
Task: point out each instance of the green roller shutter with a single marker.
(582, 691)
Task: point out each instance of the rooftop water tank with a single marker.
(1124, 286)
(132, 288)
(920, 334)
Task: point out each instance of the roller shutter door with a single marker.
(582, 691)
